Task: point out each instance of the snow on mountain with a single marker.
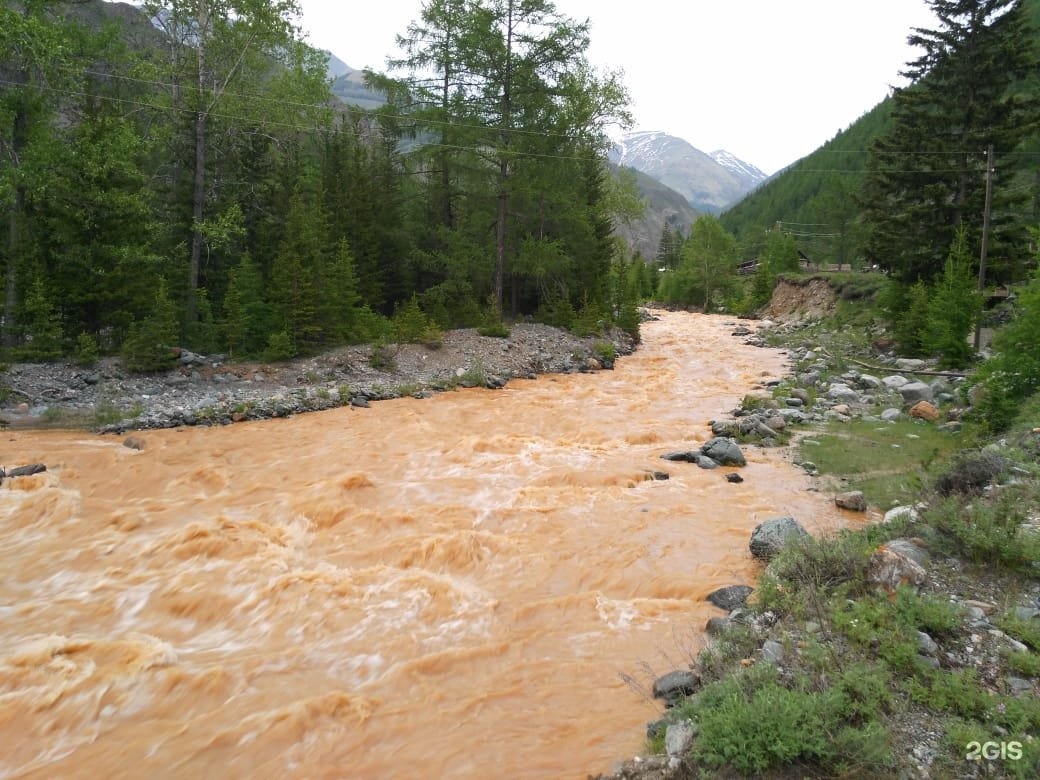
(739, 167)
(709, 182)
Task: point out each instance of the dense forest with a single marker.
(181, 174)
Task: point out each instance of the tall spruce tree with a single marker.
(927, 174)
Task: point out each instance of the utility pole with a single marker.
(985, 239)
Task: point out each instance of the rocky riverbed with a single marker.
(211, 389)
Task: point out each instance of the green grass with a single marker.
(889, 462)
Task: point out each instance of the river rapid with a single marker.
(453, 587)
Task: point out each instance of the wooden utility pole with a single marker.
(985, 239)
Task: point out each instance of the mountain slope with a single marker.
(707, 183)
(663, 206)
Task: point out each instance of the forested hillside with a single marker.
(183, 175)
(819, 200)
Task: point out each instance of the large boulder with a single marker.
(675, 685)
(730, 597)
(853, 500)
(899, 562)
(913, 392)
(769, 538)
(924, 410)
(724, 451)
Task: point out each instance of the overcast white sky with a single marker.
(768, 80)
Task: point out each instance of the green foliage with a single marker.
(87, 352)
(954, 307)
(990, 533)
(706, 273)
(246, 315)
(279, 347)
(606, 352)
(42, 325)
(907, 309)
(410, 325)
(752, 723)
(150, 345)
(923, 183)
(1012, 374)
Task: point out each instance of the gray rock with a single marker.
(724, 451)
(25, 471)
(772, 652)
(909, 549)
(685, 456)
(717, 625)
(1026, 613)
(854, 501)
(926, 645)
(891, 414)
(915, 391)
(910, 512)
(910, 364)
(870, 382)
(673, 686)
(889, 569)
(730, 597)
(842, 393)
(703, 461)
(895, 381)
(724, 428)
(1017, 686)
(794, 403)
(769, 538)
(678, 738)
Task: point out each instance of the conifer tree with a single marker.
(927, 173)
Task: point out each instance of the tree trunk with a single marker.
(14, 231)
(198, 194)
(500, 235)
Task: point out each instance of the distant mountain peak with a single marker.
(738, 166)
(709, 182)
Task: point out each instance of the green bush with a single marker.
(410, 325)
(1012, 374)
(87, 352)
(752, 723)
(279, 347)
(149, 347)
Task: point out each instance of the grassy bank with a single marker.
(829, 674)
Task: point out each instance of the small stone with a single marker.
(133, 442)
(734, 477)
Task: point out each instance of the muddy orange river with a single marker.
(450, 587)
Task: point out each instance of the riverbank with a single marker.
(909, 648)
(213, 390)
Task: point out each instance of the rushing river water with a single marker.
(444, 588)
